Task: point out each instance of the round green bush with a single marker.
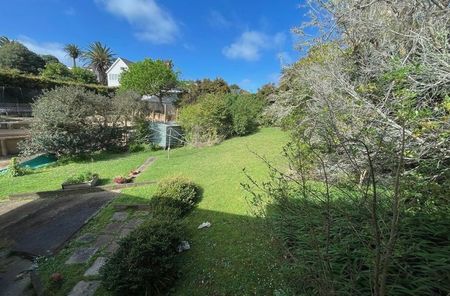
(183, 191)
(145, 262)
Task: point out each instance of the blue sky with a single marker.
(245, 42)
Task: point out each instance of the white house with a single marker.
(116, 70)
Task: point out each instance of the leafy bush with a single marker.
(136, 147)
(208, 121)
(185, 192)
(245, 112)
(56, 71)
(145, 262)
(71, 121)
(33, 86)
(84, 76)
(14, 169)
(80, 178)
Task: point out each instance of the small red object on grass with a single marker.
(121, 180)
(56, 277)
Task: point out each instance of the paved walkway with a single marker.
(105, 242)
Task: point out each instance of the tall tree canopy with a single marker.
(14, 55)
(149, 77)
(99, 57)
(74, 52)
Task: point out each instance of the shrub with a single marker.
(32, 86)
(80, 178)
(208, 121)
(145, 262)
(14, 169)
(82, 75)
(71, 121)
(181, 190)
(245, 112)
(56, 71)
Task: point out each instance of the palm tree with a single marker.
(74, 52)
(99, 58)
(4, 40)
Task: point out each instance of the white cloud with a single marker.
(218, 20)
(250, 45)
(153, 23)
(53, 48)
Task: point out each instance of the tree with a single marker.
(4, 40)
(74, 52)
(14, 55)
(71, 121)
(128, 106)
(99, 58)
(48, 58)
(56, 71)
(149, 77)
(82, 75)
(199, 88)
(368, 125)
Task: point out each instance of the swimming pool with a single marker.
(35, 163)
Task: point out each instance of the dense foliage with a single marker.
(99, 58)
(32, 86)
(214, 118)
(149, 77)
(199, 88)
(82, 75)
(14, 55)
(363, 208)
(145, 263)
(183, 192)
(70, 121)
(56, 71)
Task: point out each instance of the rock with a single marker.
(204, 225)
(84, 288)
(95, 268)
(184, 246)
(81, 255)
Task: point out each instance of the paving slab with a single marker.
(113, 228)
(43, 226)
(81, 255)
(86, 238)
(103, 240)
(125, 232)
(94, 270)
(119, 216)
(134, 223)
(85, 288)
(112, 248)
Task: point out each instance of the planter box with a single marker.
(83, 185)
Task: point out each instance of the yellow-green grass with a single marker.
(107, 165)
(237, 255)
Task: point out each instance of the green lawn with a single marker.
(237, 255)
(107, 165)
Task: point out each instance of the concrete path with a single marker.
(42, 226)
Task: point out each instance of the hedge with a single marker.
(32, 86)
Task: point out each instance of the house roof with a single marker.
(127, 62)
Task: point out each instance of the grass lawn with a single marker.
(237, 255)
(107, 165)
